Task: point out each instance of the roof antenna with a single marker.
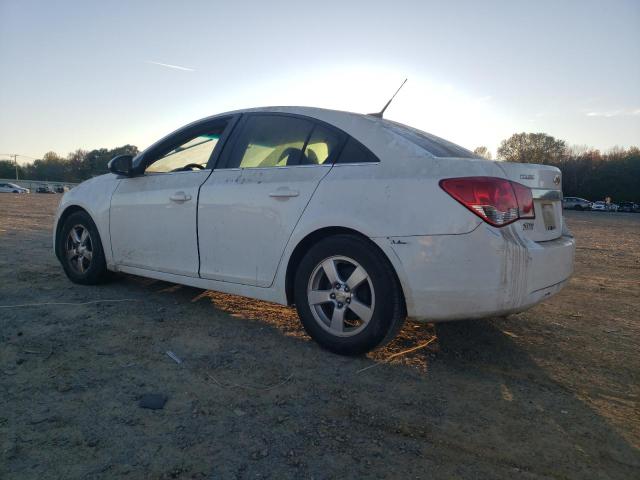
(381, 112)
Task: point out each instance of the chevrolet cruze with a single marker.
(358, 221)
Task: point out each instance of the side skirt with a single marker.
(258, 293)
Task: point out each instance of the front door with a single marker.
(250, 205)
(153, 218)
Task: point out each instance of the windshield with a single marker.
(436, 146)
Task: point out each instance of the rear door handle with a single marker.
(180, 197)
(284, 192)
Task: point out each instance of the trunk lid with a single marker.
(545, 182)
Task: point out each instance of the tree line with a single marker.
(586, 172)
(75, 167)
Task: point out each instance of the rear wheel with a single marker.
(80, 250)
(347, 295)
(578, 207)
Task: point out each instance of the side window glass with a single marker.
(321, 147)
(270, 141)
(192, 154)
(355, 152)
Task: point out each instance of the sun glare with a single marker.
(467, 118)
(444, 109)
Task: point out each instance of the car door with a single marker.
(250, 204)
(153, 214)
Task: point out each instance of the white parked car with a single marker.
(357, 220)
(12, 188)
(601, 206)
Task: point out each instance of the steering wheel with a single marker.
(189, 166)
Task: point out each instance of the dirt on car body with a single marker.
(549, 393)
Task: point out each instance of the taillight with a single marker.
(497, 201)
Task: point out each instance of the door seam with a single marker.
(275, 275)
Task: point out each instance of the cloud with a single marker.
(614, 113)
(168, 65)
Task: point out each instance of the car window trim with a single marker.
(217, 151)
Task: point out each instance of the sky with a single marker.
(90, 74)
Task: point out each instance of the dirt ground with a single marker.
(550, 393)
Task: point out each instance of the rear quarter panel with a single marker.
(401, 198)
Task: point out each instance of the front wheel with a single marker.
(80, 250)
(347, 295)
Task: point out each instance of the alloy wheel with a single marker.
(341, 296)
(79, 248)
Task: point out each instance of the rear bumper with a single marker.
(487, 272)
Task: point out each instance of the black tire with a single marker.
(389, 310)
(578, 208)
(96, 269)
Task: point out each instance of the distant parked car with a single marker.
(601, 206)
(44, 189)
(576, 203)
(61, 188)
(12, 188)
(629, 207)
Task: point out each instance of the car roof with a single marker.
(360, 126)
(381, 136)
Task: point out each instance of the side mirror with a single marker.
(121, 165)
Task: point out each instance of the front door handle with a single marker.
(180, 197)
(284, 192)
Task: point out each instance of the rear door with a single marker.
(545, 182)
(251, 203)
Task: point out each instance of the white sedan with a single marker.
(12, 188)
(358, 221)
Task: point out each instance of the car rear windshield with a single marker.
(436, 146)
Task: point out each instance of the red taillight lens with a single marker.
(497, 201)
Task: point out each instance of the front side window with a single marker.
(271, 141)
(192, 154)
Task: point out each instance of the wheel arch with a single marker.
(316, 236)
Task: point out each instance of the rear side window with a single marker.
(270, 141)
(355, 152)
(436, 146)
